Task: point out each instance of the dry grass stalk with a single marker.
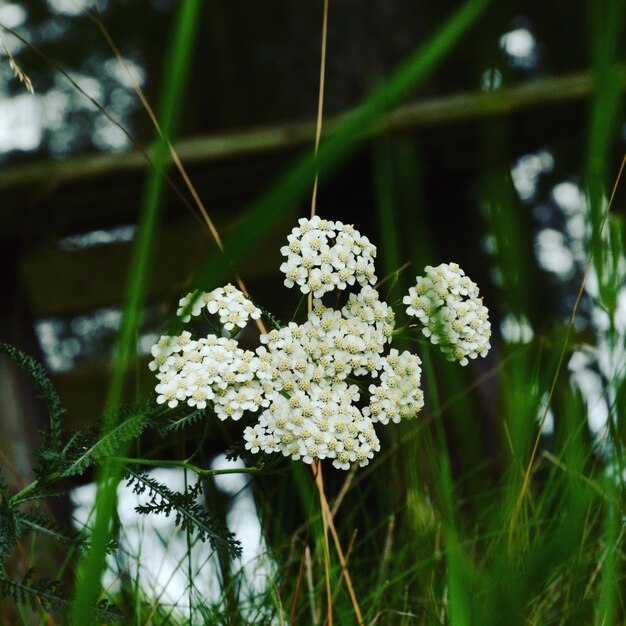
(18, 71)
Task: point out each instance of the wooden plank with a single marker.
(442, 110)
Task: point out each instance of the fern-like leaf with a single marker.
(36, 521)
(50, 595)
(108, 612)
(8, 524)
(271, 318)
(28, 592)
(190, 515)
(34, 496)
(46, 390)
(92, 448)
(183, 422)
(236, 451)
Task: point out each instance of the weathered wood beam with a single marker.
(461, 107)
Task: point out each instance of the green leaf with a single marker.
(44, 385)
(36, 521)
(107, 445)
(50, 594)
(190, 515)
(182, 422)
(8, 529)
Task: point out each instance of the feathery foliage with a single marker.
(36, 520)
(46, 389)
(271, 318)
(236, 451)
(182, 422)
(94, 446)
(8, 524)
(190, 515)
(56, 460)
(50, 594)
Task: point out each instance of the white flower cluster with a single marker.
(447, 304)
(233, 308)
(322, 422)
(323, 255)
(331, 344)
(313, 412)
(319, 387)
(399, 394)
(210, 369)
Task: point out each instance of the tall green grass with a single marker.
(179, 54)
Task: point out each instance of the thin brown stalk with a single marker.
(205, 218)
(317, 466)
(317, 473)
(347, 484)
(155, 122)
(348, 553)
(329, 524)
(175, 158)
(136, 144)
(320, 101)
(296, 594)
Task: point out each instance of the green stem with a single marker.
(189, 466)
(22, 495)
(55, 476)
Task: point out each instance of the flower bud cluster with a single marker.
(233, 308)
(446, 303)
(323, 256)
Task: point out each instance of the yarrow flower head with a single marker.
(320, 387)
(448, 306)
(230, 304)
(319, 423)
(398, 396)
(314, 413)
(210, 369)
(323, 255)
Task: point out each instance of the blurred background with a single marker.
(482, 165)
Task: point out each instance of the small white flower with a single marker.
(230, 304)
(448, 305)
(324, 255)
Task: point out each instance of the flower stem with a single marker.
(189, 466)
(329, 524)
(317, 474)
